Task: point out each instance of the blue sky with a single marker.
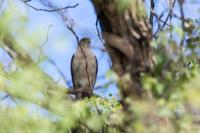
(61, 43)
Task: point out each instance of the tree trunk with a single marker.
(127, 35)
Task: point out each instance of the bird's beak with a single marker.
(89, 41)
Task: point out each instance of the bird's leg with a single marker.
(80, 92)
(75, 91)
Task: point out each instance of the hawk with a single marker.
(84, 69)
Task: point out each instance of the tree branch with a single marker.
(47, 10)
(152, 3)
(25, 62)
(165, 22)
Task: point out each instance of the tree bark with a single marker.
(127, 34)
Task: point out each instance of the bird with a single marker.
(84, 68)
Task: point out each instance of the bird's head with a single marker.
(85, 42)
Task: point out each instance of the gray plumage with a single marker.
(84, 69)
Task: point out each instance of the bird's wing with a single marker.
(96, 71)
(72, 71)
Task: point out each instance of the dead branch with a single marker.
(167, 18)
(48, 10)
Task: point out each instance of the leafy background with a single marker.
(35, 101)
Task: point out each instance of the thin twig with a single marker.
(183, 21)
(51, 61)
(170, 12)
(48, 10)
(70, 28)
(98, 32)
(69, 23)
(44, 43)
(152, 3)
(47, 37)
(4, 97)
(170, 40)
(165, 22)
(58, 69)
(159, 18)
